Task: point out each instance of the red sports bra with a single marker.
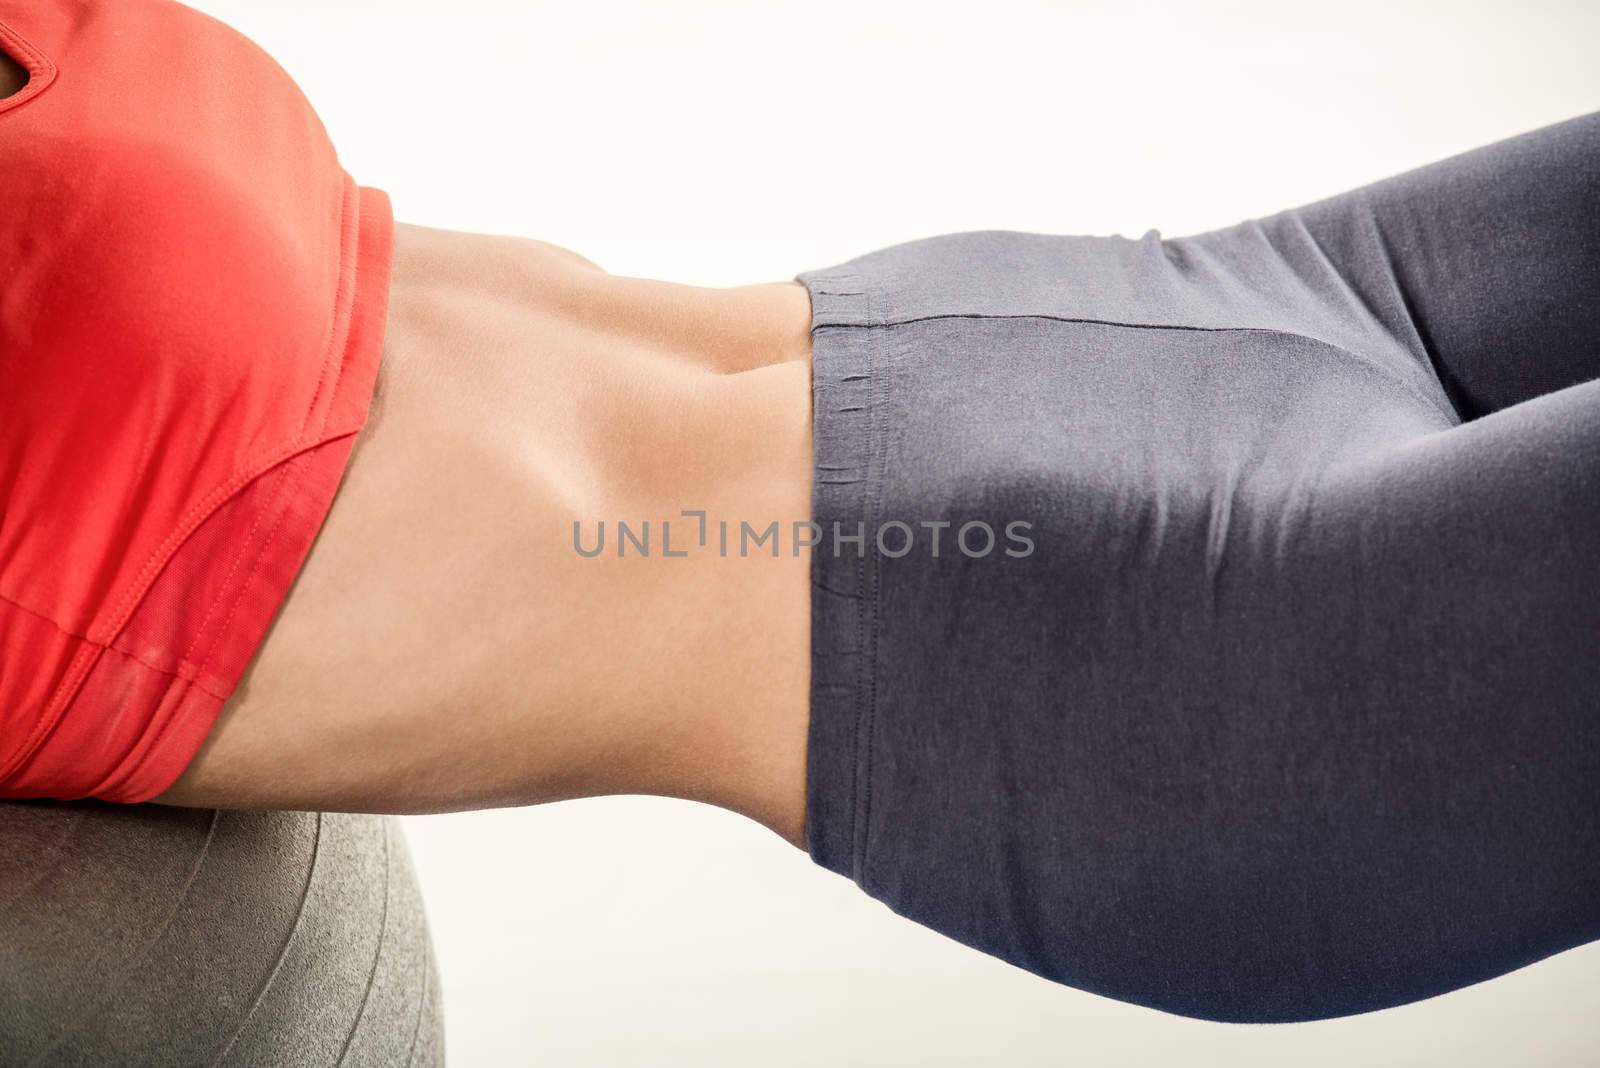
(192, 302)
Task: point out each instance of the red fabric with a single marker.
(192, 302)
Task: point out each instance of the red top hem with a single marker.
(171, 666)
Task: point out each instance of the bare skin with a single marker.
(13, 76)
(445, 645)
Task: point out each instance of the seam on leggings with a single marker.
(876, 463)
(1373, 315)
(847, 411)
(863, 658)
(1418, 326)
(1444, 407)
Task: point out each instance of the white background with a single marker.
(722, 143)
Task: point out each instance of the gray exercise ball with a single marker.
(148, 935)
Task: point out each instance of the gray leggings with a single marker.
(1273, 691)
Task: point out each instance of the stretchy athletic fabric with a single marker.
(1286, 704)
(190, 328)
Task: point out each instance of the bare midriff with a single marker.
(461, 637)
